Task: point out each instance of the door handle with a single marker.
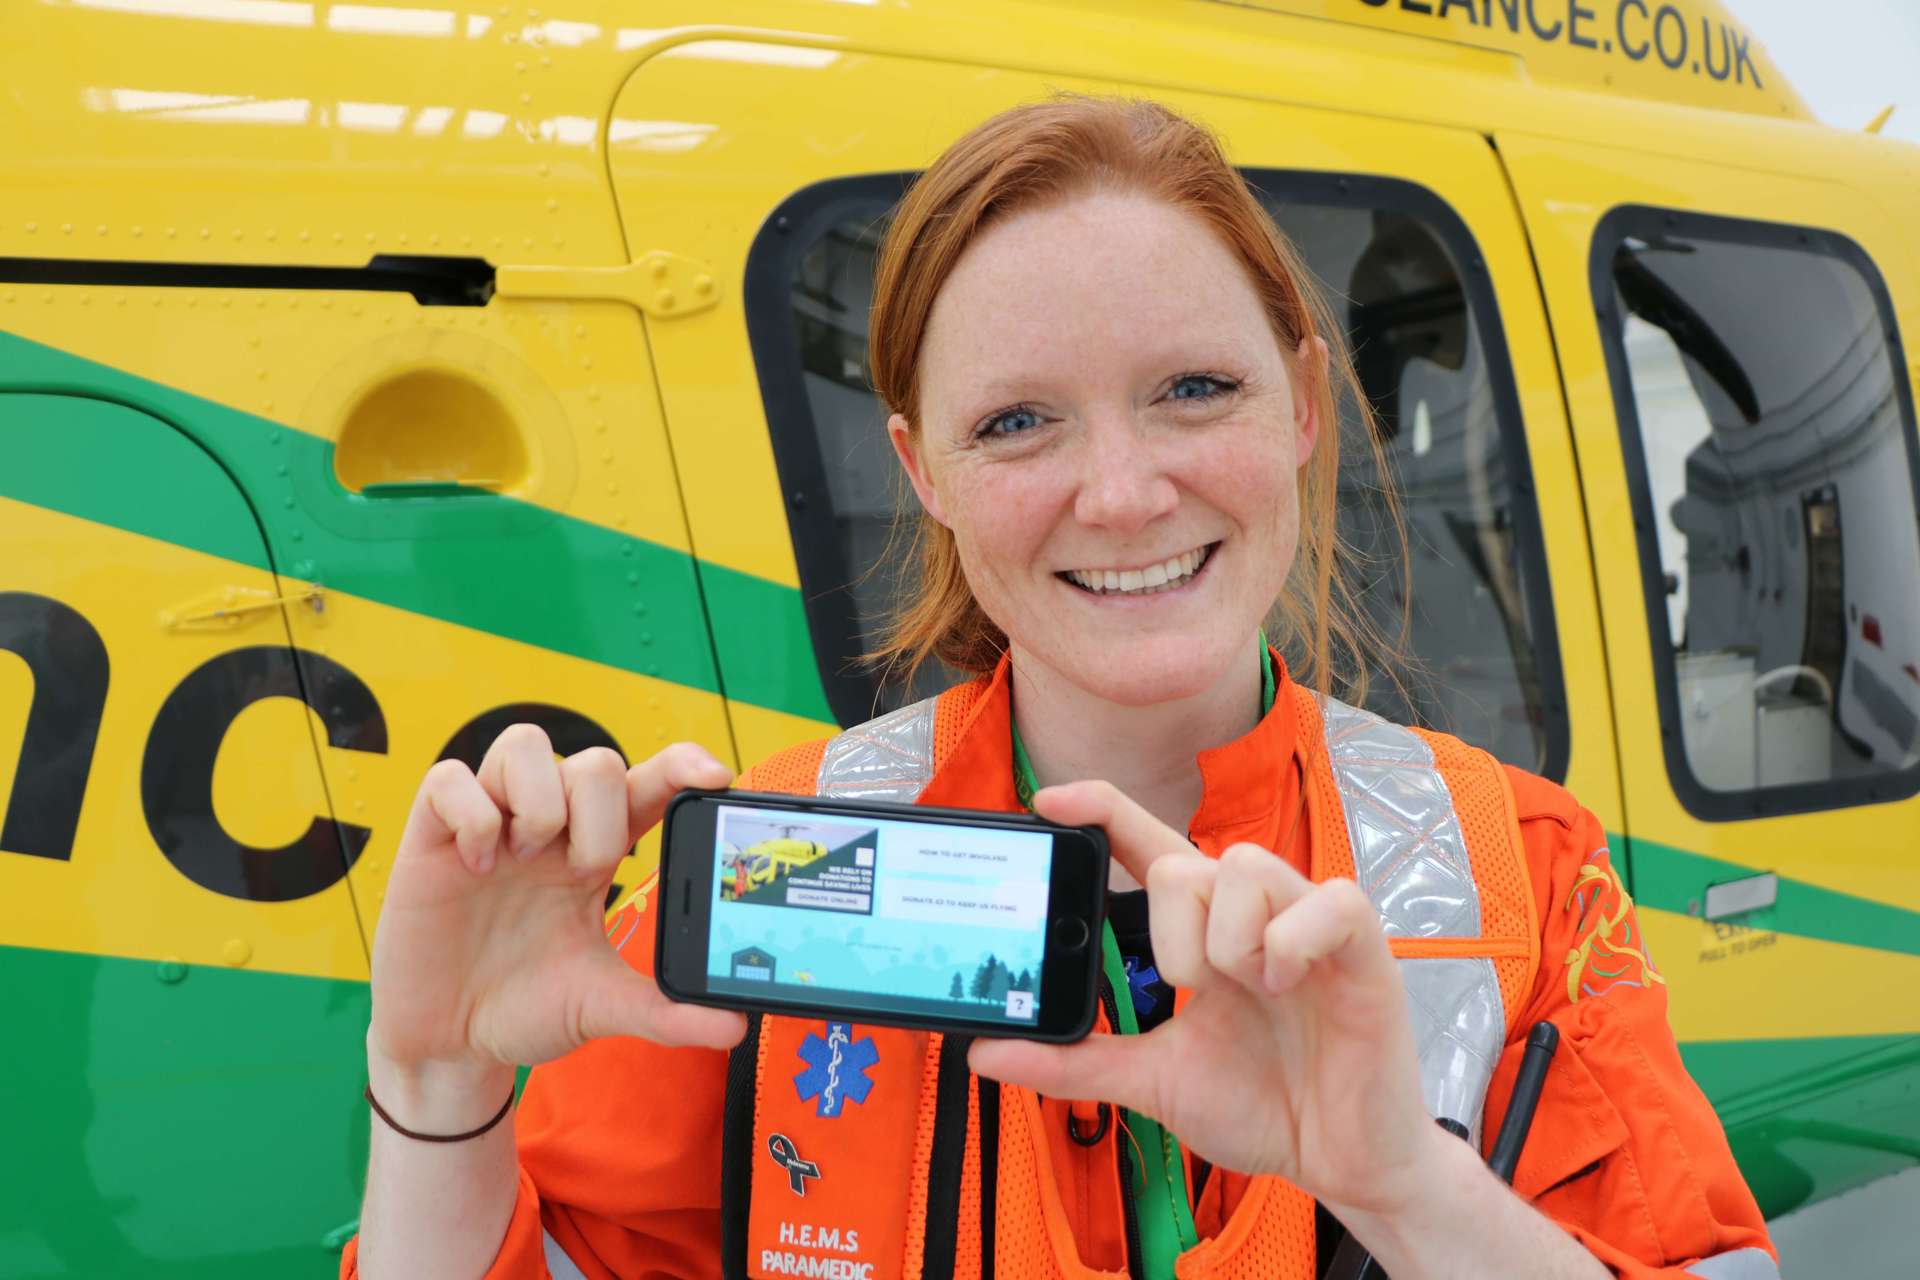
(1736, 897)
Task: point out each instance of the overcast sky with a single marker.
(1848, 58)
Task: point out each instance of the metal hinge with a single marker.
(231, 606)
(662, 284)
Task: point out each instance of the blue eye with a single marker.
(1198, 386)
(1012, 422)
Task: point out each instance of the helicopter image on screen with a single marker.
(759, 865)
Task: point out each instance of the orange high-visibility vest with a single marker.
(931, 1172)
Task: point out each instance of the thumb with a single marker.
(621, 1002)
(1121, 1070)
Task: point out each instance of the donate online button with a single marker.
(802, 896)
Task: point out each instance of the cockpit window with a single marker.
(1770, 445)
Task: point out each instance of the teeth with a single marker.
(1158, 577)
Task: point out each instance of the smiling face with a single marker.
(1112, 433)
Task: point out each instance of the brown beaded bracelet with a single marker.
(404, 1132)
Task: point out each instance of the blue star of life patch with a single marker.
(836, 1068)
(1140, 982)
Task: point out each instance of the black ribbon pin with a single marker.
(780, 1147)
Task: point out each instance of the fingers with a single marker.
(595, 781)
(591, 796)
(654, 781)
(1121, 1070)
(1179, 899)
(1252, 887)
(1252, 919)
(452, 805)
(1334, 922)
(523, 778)
(1137, 837)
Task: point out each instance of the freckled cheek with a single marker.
(1249, 480)
(1002, 517)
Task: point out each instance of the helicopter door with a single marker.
(174, 917)
(1746, 435)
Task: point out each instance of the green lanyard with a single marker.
(1159, 1169)
(1159, 1187)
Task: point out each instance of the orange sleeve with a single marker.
(620, 1140)
(1625, 1152)
(520, 1252)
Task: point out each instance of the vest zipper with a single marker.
(1127, 1209)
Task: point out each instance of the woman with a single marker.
(1112, 397)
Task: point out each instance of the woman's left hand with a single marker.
(1295, 1055)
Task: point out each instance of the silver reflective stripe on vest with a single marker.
(1410, 856)
(886, 759)
(1459, 1026)
(1741, 1264)
(559, 1265)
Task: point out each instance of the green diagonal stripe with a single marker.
(1668, 879)
(1787, 1068)
(53, 447)
(760, 629)
(477, 560)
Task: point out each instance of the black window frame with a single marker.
(1649, 222)
(773, 337)
(793, 226)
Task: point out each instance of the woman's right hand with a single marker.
(491, 950)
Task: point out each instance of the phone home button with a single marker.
(1070, 933)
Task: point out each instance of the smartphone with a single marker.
(949, 920)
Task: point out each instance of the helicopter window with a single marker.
(1770, 447)
(1427, 350)
(1430, 356)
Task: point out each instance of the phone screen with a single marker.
(906, 918)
